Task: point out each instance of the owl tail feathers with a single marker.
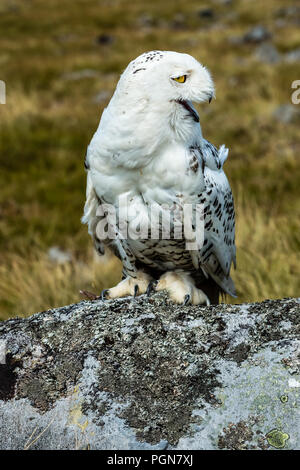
(225, 283)
(228, 286)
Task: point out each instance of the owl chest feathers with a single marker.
(173, 172)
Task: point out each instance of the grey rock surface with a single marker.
(267, 53)
(293, 56)
(147, 374)
(287, 113)
(257, 34)
(59, 256)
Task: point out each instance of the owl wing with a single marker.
(95, 214)
(90, 216)
(218, 250)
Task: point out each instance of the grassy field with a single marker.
(61, 61)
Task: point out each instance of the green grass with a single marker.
(49, 120)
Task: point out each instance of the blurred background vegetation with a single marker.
(61, 60)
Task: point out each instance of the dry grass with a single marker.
(34, 283)
(50, 117)
(267, 256)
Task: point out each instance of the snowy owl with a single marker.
(149, 151)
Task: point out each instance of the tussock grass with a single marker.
(50, 117)
(33, 283)
(267, 255)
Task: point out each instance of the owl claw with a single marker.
(187, 299)
(151, 287)
(103, 294)
(136, 290)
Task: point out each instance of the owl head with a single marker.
(166, 80)
(153, 105)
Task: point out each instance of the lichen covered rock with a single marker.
(147, 374)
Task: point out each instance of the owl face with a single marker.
(164, 77)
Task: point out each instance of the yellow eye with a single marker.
(180, 79)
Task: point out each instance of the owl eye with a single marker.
(180, 79)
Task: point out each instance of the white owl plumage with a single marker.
(149, 147)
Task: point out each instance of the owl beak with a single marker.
(190, 109)
(210, 96)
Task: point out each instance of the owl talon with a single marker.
(103, 295)
(136, 290)
(151, 287)
(187, 299)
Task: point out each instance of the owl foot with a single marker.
(129, 286)
(151, 287)
(181, 289)
(103, 294)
